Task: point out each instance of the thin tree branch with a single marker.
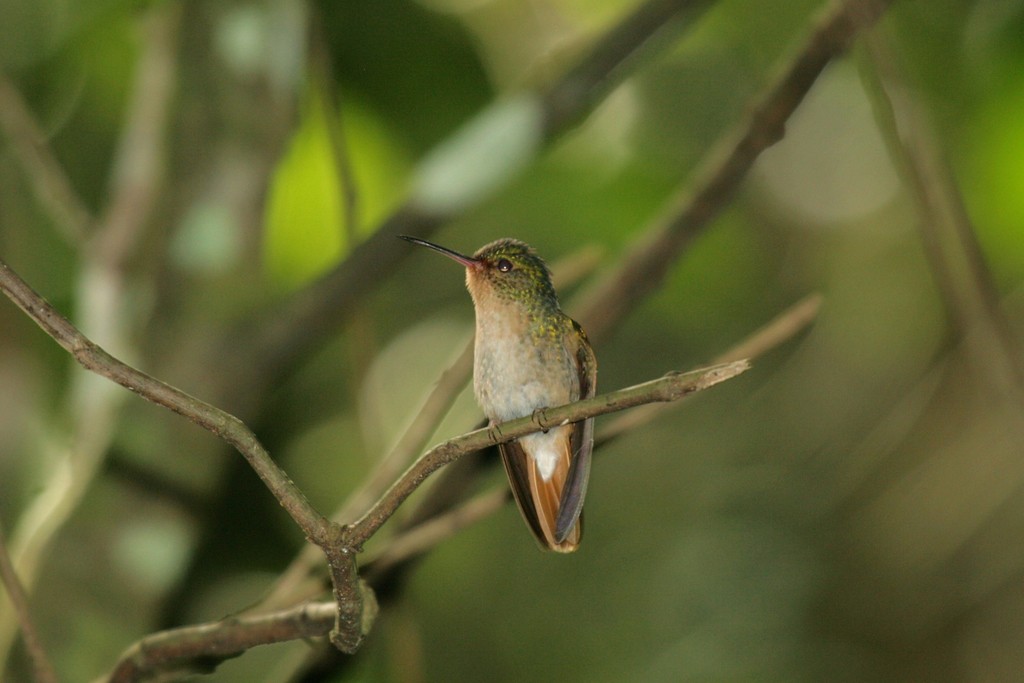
(213, 419)
(425, 422)
(779, 329)
(228, 637)
(41, 666)
(434, 408)
(339, 544)
(180, 649)
(724, 168)
(420, 538)
(316, 527)
(671, 387)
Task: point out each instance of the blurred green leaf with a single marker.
(305, 231)
(996, 176)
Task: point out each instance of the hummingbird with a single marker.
(529, 355)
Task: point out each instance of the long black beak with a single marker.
(461, 258)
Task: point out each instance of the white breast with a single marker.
(509, 378)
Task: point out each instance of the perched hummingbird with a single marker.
(530, 355)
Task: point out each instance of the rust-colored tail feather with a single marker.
(547, 496)
(539, 500)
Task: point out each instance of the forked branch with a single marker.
(177, 647)
(355, 606)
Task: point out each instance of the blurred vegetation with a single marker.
(850, 510)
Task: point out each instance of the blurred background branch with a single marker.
(980, 328)
(101, 308)
(41, 667)
(52, 187)
(953, 249)
(697, 203)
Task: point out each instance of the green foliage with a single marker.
(995, 174)
(306, 214)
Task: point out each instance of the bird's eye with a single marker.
(504, 265)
